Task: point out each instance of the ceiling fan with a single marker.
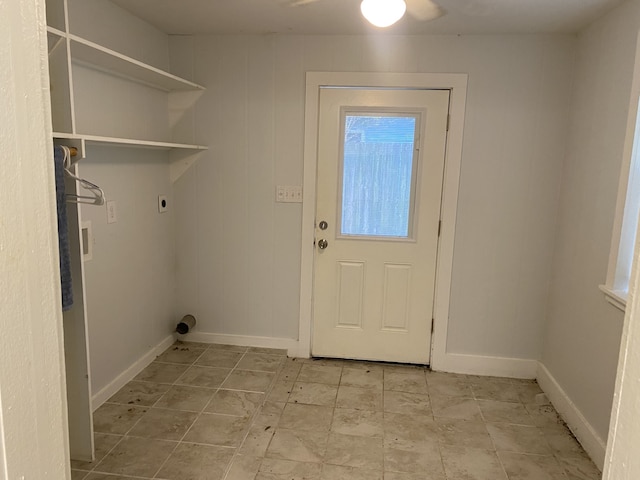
(384, 13)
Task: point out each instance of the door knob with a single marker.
(322, 244)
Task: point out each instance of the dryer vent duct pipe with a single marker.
(186, 324)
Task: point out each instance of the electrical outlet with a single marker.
(163, 205)
(112, 212)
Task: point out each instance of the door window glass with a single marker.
(379, 160)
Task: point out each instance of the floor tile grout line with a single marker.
(141, 437)
(199, 415)
(502, 465)
(241, 390)
(142, 416)
(127, 434)
(193, 364)
(86, 472)
(115, 475)
(277, 376)
(108, 452)
(252, 422)
(172, 385)
(140, 406)
(439, 447)
(384, 425)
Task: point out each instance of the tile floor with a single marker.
(220, 412)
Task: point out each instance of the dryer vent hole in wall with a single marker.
(186, 324)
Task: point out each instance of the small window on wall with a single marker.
(626, 221)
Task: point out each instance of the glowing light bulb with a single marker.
(383, 13)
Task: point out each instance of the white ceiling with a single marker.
(343, 16)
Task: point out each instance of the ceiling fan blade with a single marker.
(295, 3)
(474, 8)
(424, 10)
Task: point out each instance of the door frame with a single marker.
(457, 84)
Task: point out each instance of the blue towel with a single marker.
(63, 232)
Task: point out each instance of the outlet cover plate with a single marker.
(289, 194)
(112, 211)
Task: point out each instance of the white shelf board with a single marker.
(54, 38)
(141, 143)
(71, 136)
(107, 60)
(96, 139)
(617, 298)
(56, 32)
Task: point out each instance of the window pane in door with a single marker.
(378, 174)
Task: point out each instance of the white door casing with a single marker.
(33, 407)
(374, 281)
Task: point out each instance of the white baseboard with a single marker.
(289, 344)
(485, 365)
(579, 425)
(125, 377)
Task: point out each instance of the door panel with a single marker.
(380, 169)
(396, 299)
(350, 294)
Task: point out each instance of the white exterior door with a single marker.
(380, 171)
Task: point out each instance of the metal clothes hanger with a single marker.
(97, 194)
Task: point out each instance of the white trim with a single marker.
(576, 421)
(617, 298)
(100, 140)
(488, 366)
(612, 282)
(56, 31)
(34, 439)
(621, 457)
(455, 82)
(289, 344)
(125, 377)
(104, 59)
(449, 210)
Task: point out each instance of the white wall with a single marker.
(33, 413)
(240, 256)
(112, 106)
(513, 148)
(582, 336)
(130, 282)
(109, 25)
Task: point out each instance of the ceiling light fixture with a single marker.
(383, 13)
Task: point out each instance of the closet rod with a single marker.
(73, 151)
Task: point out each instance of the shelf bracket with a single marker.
(180, 162)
